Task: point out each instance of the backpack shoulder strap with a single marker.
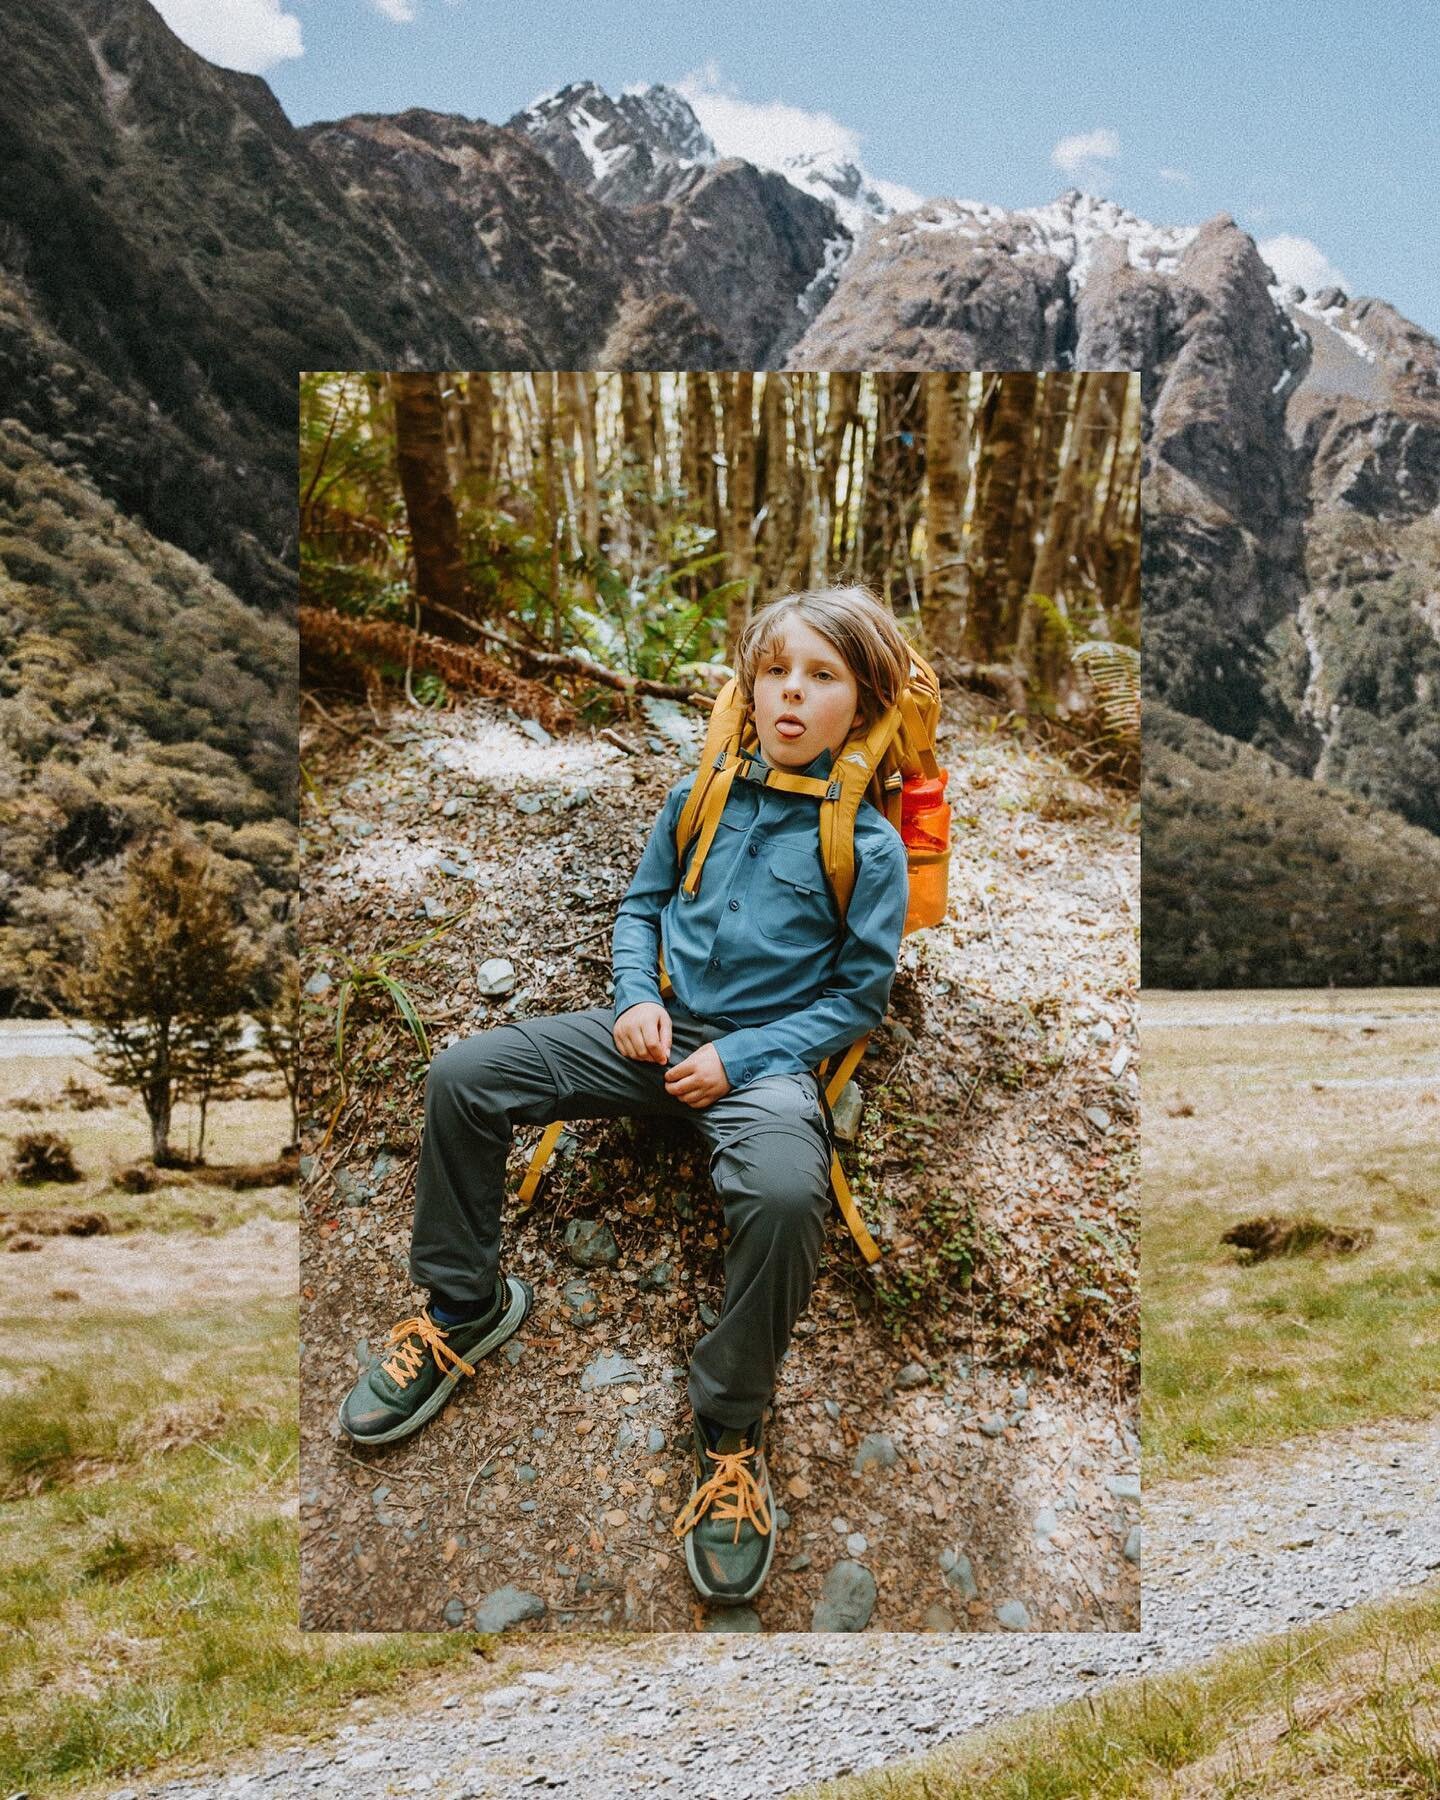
(705, 802)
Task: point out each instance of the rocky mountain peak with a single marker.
(627, 150)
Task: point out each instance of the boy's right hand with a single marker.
(643, 1033)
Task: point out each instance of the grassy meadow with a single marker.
(1316, 1106)
(148, 1557)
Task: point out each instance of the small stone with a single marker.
(876, 1449)
(994, 1426)
(937, 1619)
(857, 1543)
(454, 1612)
(319, 983)
(607, 1371)
(959, 1575)
(434, 907)
(307, 1167)
(450, 808)
(832, 1409)
(1132, 1544)
(1046, 1522)
(513, 1351)
(846, 1111)
(1012, 1615)
(913, 1375)
(525, 1475)
(627, 1437)
(840, 1526)
(384, 1164)
(1102, 1032)
(581, 1302)
(507, 1606)
(847, 1599)
(495, 977)
(796, 1563)
(528, 803)
(1020, 1398)
(1098, 1117)
(1124, 1487)
(351, 1189)
(534, 729)
(590, 1244)
(658, 1277)
(655, 1440)
(708, 1316)
(732, 1618)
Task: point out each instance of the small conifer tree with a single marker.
(165, 974)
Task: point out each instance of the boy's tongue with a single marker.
(789, 728)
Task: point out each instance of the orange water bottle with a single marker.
(925, 829)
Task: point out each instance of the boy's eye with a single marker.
(823, 675)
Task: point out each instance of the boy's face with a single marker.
(805, 697)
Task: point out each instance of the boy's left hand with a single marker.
(700, 1079)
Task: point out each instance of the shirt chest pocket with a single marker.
(796, 906)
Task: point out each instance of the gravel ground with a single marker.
(1267, 1544)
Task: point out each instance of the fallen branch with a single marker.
(363, 642)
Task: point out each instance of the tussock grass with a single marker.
(1316, 1107)
(107, 1139)
(1345, 1708)
(148, 1555)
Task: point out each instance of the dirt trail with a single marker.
(1264, 1544)
(147, 1269)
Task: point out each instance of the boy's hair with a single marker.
(859, 628)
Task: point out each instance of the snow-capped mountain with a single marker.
(630, 149)
(1073, 228)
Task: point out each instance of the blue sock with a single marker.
(458, 1312)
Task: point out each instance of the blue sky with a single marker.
(1314, 125)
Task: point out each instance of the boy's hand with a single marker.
(700, 1079)
(643, 1033)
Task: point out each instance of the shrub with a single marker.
(43, 1156)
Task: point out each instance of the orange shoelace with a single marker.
(732, 1492)
(409, 1359)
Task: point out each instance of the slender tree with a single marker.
(420, 456)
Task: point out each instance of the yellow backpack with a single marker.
(893, 762)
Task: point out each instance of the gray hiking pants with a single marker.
(769, 1161)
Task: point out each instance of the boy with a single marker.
(766, 983)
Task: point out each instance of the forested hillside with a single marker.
(135, 690)
(1257, 877)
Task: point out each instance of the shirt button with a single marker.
(753, 851)
(747, 1074)
(734, 906)
(714, 962)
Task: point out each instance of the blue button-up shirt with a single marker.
(760, 948)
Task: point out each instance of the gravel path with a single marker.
(1271, 1542)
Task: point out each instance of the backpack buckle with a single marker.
(720, 762)
(833, 791)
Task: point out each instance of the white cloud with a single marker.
(763, 131)
(402, 12)
(1082, 148)
(251, 35)
(1181, 176)
(1301, 260)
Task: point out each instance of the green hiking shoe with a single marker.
(417, 1371)
(727, 1523)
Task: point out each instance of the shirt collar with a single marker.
(818, 766)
